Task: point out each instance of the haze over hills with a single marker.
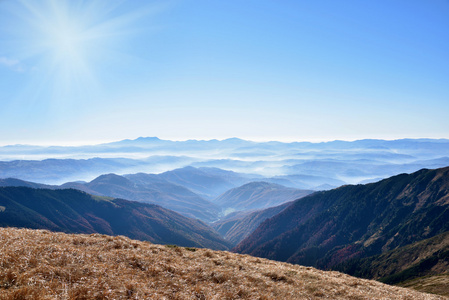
(17, 182)
(331, 163)
(146, 188)
(328, 228)
(207, 182)
(339, 228)
(335, 229)
(306, 181)
(150, 188)
(73, 211)
(171, 190)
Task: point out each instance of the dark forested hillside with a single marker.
(73, 211)
(424, 258)
(327, 228)
(423, 265)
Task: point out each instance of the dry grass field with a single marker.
(38, 264)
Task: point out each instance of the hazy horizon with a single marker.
(96, 143)
(89, 72)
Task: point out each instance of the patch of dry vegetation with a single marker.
(38, 264)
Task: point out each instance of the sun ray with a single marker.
(64, 42)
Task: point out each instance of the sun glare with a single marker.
(64, 42)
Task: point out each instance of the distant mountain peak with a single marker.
(234, 139)
(111, 178)
(187, 168)
(262, 184)
(148, 139)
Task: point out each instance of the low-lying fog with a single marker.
(328, 163)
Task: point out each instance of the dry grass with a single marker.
(38, 264)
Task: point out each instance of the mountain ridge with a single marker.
(327, 228)
(257, 195)
(74, 211)
(331, 162)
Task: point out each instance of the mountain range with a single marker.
(327, 229)
(172, 190)
(73, 211)
(150, 189)
(336, 205)
(321, 165)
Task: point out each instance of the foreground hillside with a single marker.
(73, 211)
(328, 228)
(38, 264)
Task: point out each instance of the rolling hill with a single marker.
(150, 188)
(17, 182)
(207, 182)
(153, 188)
(258, 195)
(73, 211)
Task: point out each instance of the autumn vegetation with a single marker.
(39, 264)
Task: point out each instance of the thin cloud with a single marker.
(13, 64)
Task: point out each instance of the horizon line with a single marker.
(254, 140)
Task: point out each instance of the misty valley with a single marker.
(347, 206)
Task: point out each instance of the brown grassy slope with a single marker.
(38, 264)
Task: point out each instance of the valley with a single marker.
(392, 230)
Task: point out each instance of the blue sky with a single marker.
(93, 71)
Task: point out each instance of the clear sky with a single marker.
(93, 71)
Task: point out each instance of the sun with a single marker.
(66, 48)
(57, 36)
(65, 41)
